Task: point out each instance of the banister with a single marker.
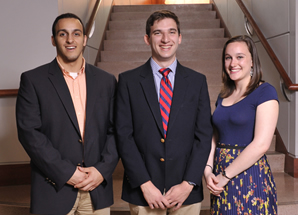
(287, 81)
(7, 93)
(14, 92)
(92, 17)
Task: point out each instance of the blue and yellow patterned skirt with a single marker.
(252, 192)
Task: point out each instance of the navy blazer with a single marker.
(144, 153)
(49, 132)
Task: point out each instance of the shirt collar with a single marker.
(155, 67)
(82, 70)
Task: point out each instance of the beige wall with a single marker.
(25, 44)
(277, 21)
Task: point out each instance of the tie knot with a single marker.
(165, 71)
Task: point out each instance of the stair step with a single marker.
(152, 8)
(145, 15)
(287, 208)
(272, 146)
(127, 212)
(276, 161)
(143, 56)
(187, 34)
(186, 24)
(139, 44)
(213, 94)
(118, 67)
(204, 67)
(14, 210)
(114, 56)
(287, 189)
(213, 79)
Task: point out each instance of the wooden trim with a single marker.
(91, 20)
(15, 174)
(92, 17)
(288, 83)
(222, 23)
(280, 146)
(101, 45)
(291, 165)
(7, 93)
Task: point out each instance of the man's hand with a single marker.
(77, 177)
(153, 196)
(178, 194)
(94, 179)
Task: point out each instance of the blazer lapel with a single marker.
(147, 83)
(58, 81)
(180, 88)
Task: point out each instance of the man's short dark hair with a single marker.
(159, 15)
(65, 16)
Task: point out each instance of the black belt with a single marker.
(230, 147)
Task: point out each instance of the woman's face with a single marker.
(238, 61)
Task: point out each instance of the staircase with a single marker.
(201, 47)
(124, 49)
(202, 40)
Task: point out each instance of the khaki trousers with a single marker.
(83, 206)
(193, 209)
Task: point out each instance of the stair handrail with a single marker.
(287, 81)
(92, 17)
(8, 92)
(14, 92)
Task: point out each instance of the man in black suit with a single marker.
(65, 123)
(164, 158)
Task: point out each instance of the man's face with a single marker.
(69, 40)
(164, 40)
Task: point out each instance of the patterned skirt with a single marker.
(252, 192)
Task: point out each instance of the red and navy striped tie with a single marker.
(165, 99)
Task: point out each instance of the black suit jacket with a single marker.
(49, 132)
(144, 154)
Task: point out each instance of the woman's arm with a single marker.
(210, 178)
(266, 120)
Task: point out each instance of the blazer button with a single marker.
(162, 159)
(80, 141)
(162, 140)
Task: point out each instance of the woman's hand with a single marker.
(212, 184)
(222, 181)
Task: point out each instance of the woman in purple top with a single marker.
(237, 172)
